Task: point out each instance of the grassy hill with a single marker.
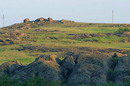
(26, 41)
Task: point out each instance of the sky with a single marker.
(94, 11)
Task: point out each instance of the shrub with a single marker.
(127, 83)
(36, 81)
(121, 30)
(109, 84)
(7, 81)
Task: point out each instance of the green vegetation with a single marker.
(36, 81)
(109, 84)
(107, 39)
(54, 37)
(121, 30)
(8, 54)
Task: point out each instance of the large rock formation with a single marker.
(76, 69)
(89, 70)
(43, 20)
(122, 70)
(42, 67)
(67, 66)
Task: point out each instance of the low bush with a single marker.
(7, 81)
(36, 81)
(109, 84)
(121, 30)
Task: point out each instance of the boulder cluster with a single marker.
(38, 20)
(27, 20)
(74, 69)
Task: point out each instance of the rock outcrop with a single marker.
(88, 70)
(40, 20)
(42, 67)
(66, 21)
(74, 69)
(9, 68)
(67, 66)
(127, 33)
(50, 20)
(122, 70)
(26, 20)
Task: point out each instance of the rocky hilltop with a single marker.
(27, 20)
(28, 24)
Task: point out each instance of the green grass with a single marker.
(60, 39)
(2, 49)
(104, 39)
(8, 54)
(63, 39)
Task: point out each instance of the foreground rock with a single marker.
(9, 68)
(122, 70)
(89, 70)
(42, 67)
(76, 69)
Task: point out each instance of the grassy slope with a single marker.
(62, 40)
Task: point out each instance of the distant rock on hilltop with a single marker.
(27, 20)
(28, 24)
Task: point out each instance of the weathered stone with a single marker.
(66, 21)
(88, 70)
(9, 68)
(50, 20)
(40, 20)
(120, 69)
(127, 33)
(75, 69)
(123, 64)
(26, 20)
(87, 74)
(67, 66)
(46, 69)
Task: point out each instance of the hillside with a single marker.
(26, 41)
(69, 52)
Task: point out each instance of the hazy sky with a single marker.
(99, 11)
